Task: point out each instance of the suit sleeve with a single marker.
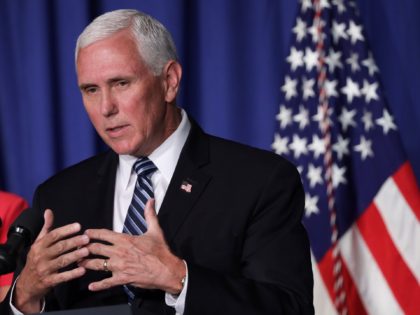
(275, 276)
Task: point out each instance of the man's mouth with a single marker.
(116, 131)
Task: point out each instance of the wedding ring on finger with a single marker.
(105, 265)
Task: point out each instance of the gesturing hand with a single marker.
(143, 261)
(51, 251)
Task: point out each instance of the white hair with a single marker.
(154, 42)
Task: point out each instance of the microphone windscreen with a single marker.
(31, 220)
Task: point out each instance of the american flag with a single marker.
(187, 187)
(362, 205)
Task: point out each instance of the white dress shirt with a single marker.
(165, 157)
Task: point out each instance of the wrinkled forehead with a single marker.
(115, 55)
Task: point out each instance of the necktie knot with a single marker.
(144, 167)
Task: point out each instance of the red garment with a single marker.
(10, 207)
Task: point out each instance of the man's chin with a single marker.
(123, 150)
(120, 149)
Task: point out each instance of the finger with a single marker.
(105, 235)
(61, 233)
(48, 222)
(106, 283)
(65, 276)
(151, 218)
(67, 259)
(150, 213)
(103, 250)
(67, 245)
(95, 264)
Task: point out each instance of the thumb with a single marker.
(151, 217)
(48, 222)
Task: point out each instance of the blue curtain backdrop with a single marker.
(233, 56)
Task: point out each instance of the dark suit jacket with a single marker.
(239, 229)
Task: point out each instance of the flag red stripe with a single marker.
(325, 267)
(399, 277)
(406, 182)
(353, 301)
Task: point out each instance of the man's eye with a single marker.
(91, 90)
(122, 83)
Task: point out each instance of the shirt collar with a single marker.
(165, 156)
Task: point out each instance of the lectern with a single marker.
(123, 309)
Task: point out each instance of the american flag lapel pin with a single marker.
(186, 186)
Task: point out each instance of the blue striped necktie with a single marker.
(135, 222)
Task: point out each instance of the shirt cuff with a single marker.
(15, 311)
(178, 301)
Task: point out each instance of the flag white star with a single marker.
(313, 30)
(341, 147)
(320, 116)
(284, 116)
(364, 147)
(340, 6)
(353, 61)
(289, 87)
(310, 59)
(347, 118)
(311, 205)
(367, 120)
(338, 31)
(338, 175)
(355, 32)
(302, 117)
(306, 4)
(299, 29)
(295, 58)
(317, 146)
(298, 146)
(280, 144)
(369, 91)
(307, 88)
(351, 90)
(333, 60)
(314, 175)
(370, 64)
(331, 88)
(386, 122)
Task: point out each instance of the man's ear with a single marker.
(172, 73)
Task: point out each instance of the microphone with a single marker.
(21, 235)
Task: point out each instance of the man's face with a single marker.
(126, 103)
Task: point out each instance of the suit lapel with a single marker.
(101, 193)
(187, 184)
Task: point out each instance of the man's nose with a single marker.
(109, 105)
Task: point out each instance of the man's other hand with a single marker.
(143, 261)
(52, 250)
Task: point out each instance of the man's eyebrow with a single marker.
(119, 78)
(84, 86)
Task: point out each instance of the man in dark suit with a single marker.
(227, 238)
